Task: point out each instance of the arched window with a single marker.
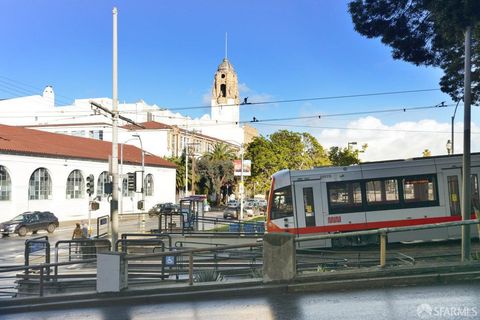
(149, 185)
(102, 179)
(5, 184)
(75, 185)
(40, 186)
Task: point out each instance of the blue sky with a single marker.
(169, 51)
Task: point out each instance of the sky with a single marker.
(168, 52)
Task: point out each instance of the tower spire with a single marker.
(226, 44)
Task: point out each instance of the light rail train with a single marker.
(370, 196)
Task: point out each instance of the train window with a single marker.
(344, 197)
(454, 195)
(382, 192)
(309, 207)
(282, 203)
(420, 190)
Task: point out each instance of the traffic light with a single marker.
(90, 185)
(132, 181)
(94, 205)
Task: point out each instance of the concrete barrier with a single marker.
(279, 263)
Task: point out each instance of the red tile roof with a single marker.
(40, 143)
(148, 125)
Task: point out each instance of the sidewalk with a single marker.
(329, 281)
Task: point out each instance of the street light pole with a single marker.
(114, 201)
(453, 128)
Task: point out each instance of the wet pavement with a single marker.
(460, 301)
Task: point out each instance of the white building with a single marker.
(80, 119)
(46, 171)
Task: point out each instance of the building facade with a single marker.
(47, 172)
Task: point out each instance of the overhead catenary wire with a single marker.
(357, 113)
(311, 99)
(358, 129)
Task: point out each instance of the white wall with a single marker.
(21, 168)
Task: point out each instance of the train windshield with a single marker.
(281, 205)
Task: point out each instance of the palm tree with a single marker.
(221, 151)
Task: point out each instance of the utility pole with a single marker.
(466, 184)
(242, 187)
(114, 201)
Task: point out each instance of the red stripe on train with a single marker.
(363, 226)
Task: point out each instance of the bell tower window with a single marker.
(223, 88)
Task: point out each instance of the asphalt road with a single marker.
(13, 246)
(424, 302)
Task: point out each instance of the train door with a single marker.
(453, 183)
(308, 210)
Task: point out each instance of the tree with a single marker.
(216, 169)
(215, 175)
(180, 172)
(282, 150)
(425, 32)
(221, 151)
(426, 153)
(344, 156)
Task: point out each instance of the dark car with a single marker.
(30, 222)
(231, 212)
(163, 208)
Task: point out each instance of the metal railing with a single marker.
(383, 233)
(190, 254)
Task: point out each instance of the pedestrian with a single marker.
(84, 230)
(77, 232)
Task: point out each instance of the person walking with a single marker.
(77, 232)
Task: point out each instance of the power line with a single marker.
(320, 116)
(359, 129)
(311, 99)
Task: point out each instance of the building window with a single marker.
(149, 185)
(102, 179)
(5, 184)
(40, 186)
(96, 134)
(223, 89)
(78, 133)
(125, 191)
(75, 185)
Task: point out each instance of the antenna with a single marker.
(226, 44)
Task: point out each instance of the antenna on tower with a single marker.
(226, 44)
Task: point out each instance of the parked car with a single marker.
(167, 207)
(30, 222)
(231, 212)
(233, 203)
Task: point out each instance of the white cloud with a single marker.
(398, 141)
